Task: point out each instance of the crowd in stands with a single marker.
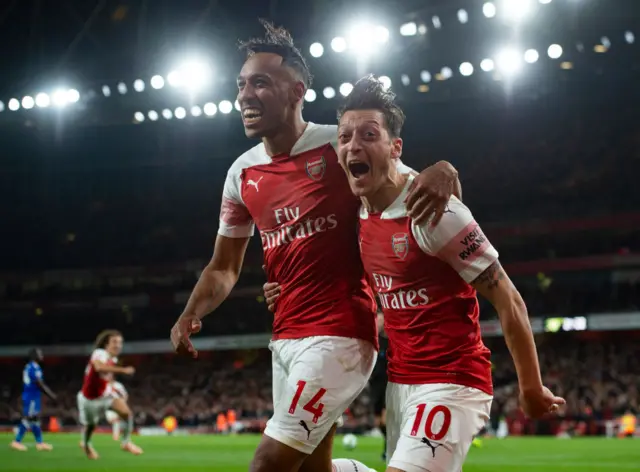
(600, 380)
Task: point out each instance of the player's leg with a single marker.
(88, 418)
(122, 409)
(318, 379)
(320, 458)
(438, 425)
(23, 427)
(114, 420)
(378, 394)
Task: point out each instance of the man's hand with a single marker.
(539, 402)
(430, 192)
(129, 370)
(271, 292)
(180, 333)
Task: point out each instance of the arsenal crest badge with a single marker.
(316, 166)
(400, 244)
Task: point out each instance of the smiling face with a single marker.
(366, 150)
(268, 94)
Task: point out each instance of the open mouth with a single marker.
(358, 168)
(251, 116)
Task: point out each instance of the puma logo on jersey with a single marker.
(254, 183)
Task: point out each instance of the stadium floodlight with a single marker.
(153, 115)
(180, 113)
(531, 56)
(174, 78)
(138, 117)
(28, 102)
(339, 44)
(366, 39)
(195, 74)
(463, 16)
(1, 106)
(73, 96)
(405, 79)
(386, 82)
(629, 37)
(196, 111)
(225, 107)
(509, 61)
(422, 29)
(329, 92)
(554, 51)
(14, 104)
(138, 85)
(466, 69)
(345, 89)
(487, 65)
(489, 10)
(310, 95)
(606, 42)
(60, 98)
(167, 114)
(106, 91)
(437, 24)
(157, 82)
(122, 88)
(409, 29)
(516, 10)
(446, 73)
(210, 109)
(316, 50)
(545, 2)
(425, 76)
(236, 105)
(43, 100)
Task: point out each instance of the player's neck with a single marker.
(386, 194)
(284, 140)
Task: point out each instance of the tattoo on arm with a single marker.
(491, 277)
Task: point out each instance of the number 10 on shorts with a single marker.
(313, 406)
(428, 425)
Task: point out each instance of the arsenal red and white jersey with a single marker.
(307, 218)
(422, 275)
(95, 384)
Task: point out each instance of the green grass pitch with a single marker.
(233, 453)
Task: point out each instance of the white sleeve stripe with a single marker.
(228, 231)
(479, 265)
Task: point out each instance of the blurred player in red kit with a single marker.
(95, 397)
(426, 277)
(292, 187)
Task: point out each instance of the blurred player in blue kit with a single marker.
(32, 387)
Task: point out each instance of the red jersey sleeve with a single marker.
(458, 241)
(235, 219)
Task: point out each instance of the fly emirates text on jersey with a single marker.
(398, 299)
(294, 228)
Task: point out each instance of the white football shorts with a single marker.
(430, 427)
(315, 380)
(112, 416)
(90, 412)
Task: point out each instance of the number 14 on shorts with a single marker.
(313, 406)
(429, 422)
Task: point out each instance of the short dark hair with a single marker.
(278, 40)
(369, 94)
(103, 338)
